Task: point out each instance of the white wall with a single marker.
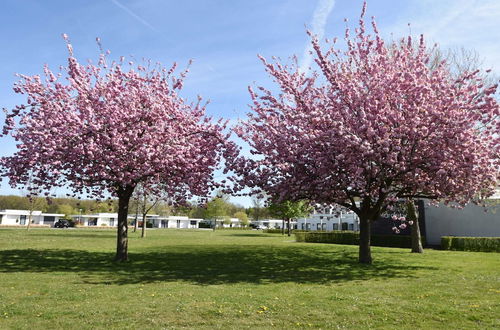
(14, 217)
(328, 222)
(469, 221)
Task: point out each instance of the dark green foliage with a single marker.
(352, 238)
(234, 228)
(59, 205)
(290, 210)
(478, 244)
(273, 231)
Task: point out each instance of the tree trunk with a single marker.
(288, 223)
(143, 231)
(124, 194)
(282, 226)
(136, 215)
(30, 216)
(416, 240)
(365, 254)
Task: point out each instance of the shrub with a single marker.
(352, 238)
(274, 231)
(234, 228)
(479, 244)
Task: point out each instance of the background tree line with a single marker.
(217, 206)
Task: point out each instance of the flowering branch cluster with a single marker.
(376, 123)
(103, 126)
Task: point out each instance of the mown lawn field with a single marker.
(52, 279)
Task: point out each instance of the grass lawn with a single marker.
(52, 278)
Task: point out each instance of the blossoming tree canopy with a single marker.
(105, 127)
(375, 123)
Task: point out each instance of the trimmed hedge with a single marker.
(274, 231)
(477, 244)
(352, 238)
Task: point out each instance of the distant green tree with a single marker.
(66, 209)
(288, 210)
(226, 220)
(243, 217)
(217, 209)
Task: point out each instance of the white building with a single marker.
(20, 218)
(98, 219)
(472, 220)
(111, 220)
(173, 221)
(272, 224)
(222, 223)
(327, 219)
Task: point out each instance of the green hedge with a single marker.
(352, 238)
(274, 231)
(479, 244)
(233, 228)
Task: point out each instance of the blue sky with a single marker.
(222, 37)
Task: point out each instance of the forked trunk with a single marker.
(288, 229)
(416, 239)
(365, 253)
(124, 194)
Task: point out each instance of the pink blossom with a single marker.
(404, 129)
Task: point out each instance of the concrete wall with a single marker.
(469, 221)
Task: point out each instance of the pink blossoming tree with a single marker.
(103, 128)
(374, 124)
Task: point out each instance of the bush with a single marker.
(478, 244)
(352, 238)
(234, 228)
(274, 231)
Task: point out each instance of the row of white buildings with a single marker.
(322, 219)
(437, 221)
(317, 221)
(20, 218)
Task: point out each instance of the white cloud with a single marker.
(134, 15)
(470, 24)
(318, 23)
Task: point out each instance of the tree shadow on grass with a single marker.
(202, 265)
(69, 234)
(249, 235)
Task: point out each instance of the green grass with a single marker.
(234, 280)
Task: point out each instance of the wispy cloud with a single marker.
(134, 15)
(318, 23)
(454, 24)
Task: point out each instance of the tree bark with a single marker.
(143, 231)
(416, 239)
(288, 223)
(30, 216)
(282, 226)
(365, 253)
(136, 215)
(124, 194)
